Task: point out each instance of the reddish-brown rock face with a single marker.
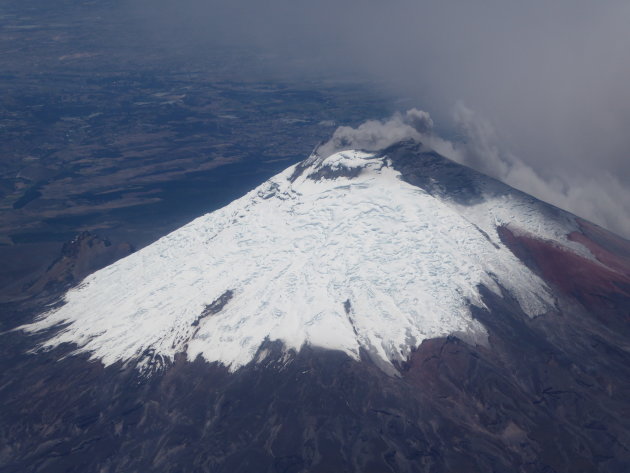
(608, 248)
(599, 284)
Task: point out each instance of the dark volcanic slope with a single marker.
(549, 395)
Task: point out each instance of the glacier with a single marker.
(338, 252)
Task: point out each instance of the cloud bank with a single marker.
(551, 77)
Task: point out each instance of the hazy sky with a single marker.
(539, 91)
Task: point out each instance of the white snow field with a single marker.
(341, 263)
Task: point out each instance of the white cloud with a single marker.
(600, 198)
(375, 134)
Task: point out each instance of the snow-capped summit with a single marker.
(363, 252)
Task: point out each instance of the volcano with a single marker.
(366, 311)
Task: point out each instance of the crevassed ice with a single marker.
(342, 263)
